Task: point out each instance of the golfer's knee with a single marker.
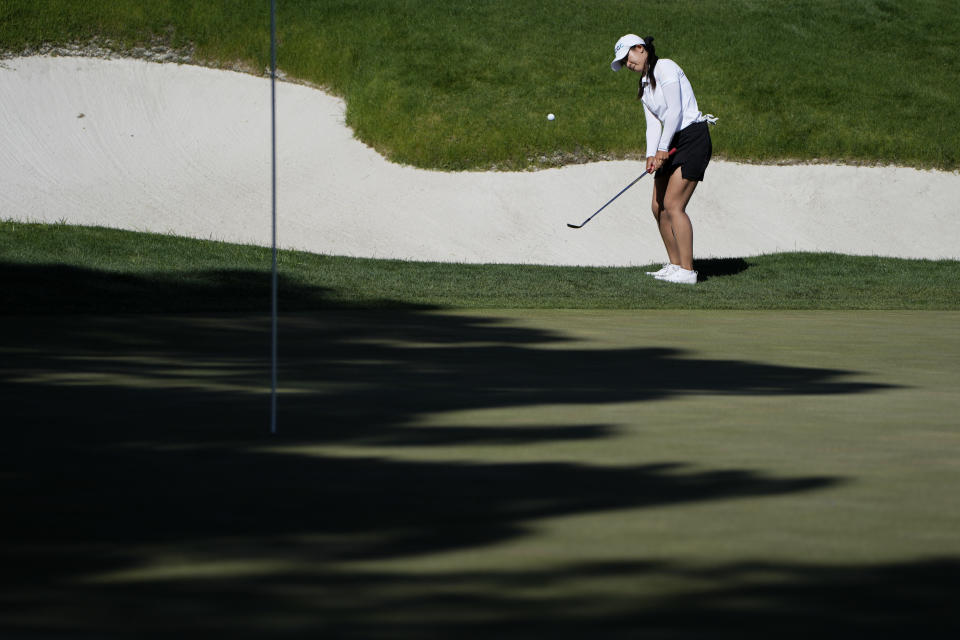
(673, 211)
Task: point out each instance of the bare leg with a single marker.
(670, 197)
(663, 221)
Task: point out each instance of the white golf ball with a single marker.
(550, 116)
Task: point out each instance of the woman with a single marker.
(673, 121)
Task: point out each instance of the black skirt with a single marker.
(694, 149)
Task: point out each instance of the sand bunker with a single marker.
(186, 150)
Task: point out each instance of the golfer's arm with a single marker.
(673, 116)
(653, 131)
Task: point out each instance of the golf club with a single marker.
(577, 226)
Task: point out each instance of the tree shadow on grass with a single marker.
(57, 289)
(742, 600)
(144, 495)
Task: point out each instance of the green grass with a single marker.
(521, 474)
(642, 465)
(466, 84)
(61, 268)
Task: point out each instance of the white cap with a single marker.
(622, 48)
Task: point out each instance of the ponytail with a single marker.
(651, 64)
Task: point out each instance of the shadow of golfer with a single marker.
(719, 267)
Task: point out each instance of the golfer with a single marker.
(673, 121)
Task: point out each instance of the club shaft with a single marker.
(615, 197)
(672, 151)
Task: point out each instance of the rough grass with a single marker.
(467, 85)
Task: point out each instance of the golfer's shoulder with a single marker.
(667, 71)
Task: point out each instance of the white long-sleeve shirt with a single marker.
(668, 108)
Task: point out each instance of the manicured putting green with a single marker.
(484, 474)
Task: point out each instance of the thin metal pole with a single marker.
(273, 166)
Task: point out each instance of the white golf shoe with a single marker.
(667, 268)
(679, 276)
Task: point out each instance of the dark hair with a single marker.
(651, 63)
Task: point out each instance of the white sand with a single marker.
(186, 150)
